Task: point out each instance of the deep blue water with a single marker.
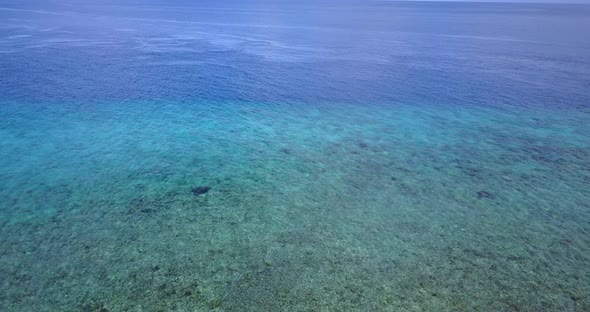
(448, 53)
(334, 156)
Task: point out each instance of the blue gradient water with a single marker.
(376, 156)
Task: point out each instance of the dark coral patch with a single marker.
(200, 190)
(485, 194)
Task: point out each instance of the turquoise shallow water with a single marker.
(330, 206)
(374, 156)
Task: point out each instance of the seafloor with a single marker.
(323, 207)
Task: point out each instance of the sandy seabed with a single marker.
(162, 206)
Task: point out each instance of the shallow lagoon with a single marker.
(216, 172)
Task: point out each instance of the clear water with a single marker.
(375, 156)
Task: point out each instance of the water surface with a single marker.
(376, 156)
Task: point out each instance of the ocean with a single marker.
(294, 156)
